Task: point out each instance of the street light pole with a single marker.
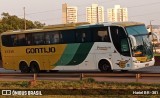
(24, 18)
(151, 25)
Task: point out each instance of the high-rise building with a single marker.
(95, 14)
(69, 14)
(117, 14)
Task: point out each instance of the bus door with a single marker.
(121, 51)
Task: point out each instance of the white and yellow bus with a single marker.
(78, 47)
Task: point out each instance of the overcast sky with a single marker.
(50, 11)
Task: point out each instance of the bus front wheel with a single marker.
(104, 66)
(34, 67)
(24, 67)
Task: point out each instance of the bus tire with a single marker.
(24, 67)
(34, 67)
(104, 66)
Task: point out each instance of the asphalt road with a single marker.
(152, 69)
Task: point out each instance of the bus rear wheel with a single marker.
(34, 67)
(24, 67)
(104, 66)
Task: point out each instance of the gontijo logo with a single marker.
(40, 50)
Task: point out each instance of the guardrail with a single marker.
(83, 75)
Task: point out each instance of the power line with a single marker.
(142, 5)
(42, 12)
(59, 9)
(86, 4)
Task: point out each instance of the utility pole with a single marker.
(151, 26)
(24, 9)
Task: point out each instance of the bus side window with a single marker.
(56, 38)
(116, 37)
(29, 39)
(51, 37)
(78, 37)
(38, 38)
(83, 35)
(120, 40)
(12, 38)
(21, 40)
(101, 35)
(68, 36)
(47, 39)
(8, 40)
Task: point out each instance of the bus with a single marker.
(104, 47)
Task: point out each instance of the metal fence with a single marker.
(81, 76)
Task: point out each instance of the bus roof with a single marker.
(47, 28)
(74, 26)
(123, 24)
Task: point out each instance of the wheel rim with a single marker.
(34, 68)
(105, 67)
(24, 68)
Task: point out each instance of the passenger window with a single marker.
(100, 35)
(8, 40)
(47, 39)
(68, 36)
(56, 37)
(14, 40)
(38, 38)
(29, 40)
(52, 38)
(20, 40)
(83, 35)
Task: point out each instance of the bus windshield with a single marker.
(144, 46)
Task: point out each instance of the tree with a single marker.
(12, 22)
(38, 24)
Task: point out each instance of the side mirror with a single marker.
(133, 41)
(150, 33)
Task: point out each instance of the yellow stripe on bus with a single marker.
(45, 56)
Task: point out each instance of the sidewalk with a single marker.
(151, 69)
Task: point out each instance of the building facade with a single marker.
(117, 14)
(69, 14)
(95, 14)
